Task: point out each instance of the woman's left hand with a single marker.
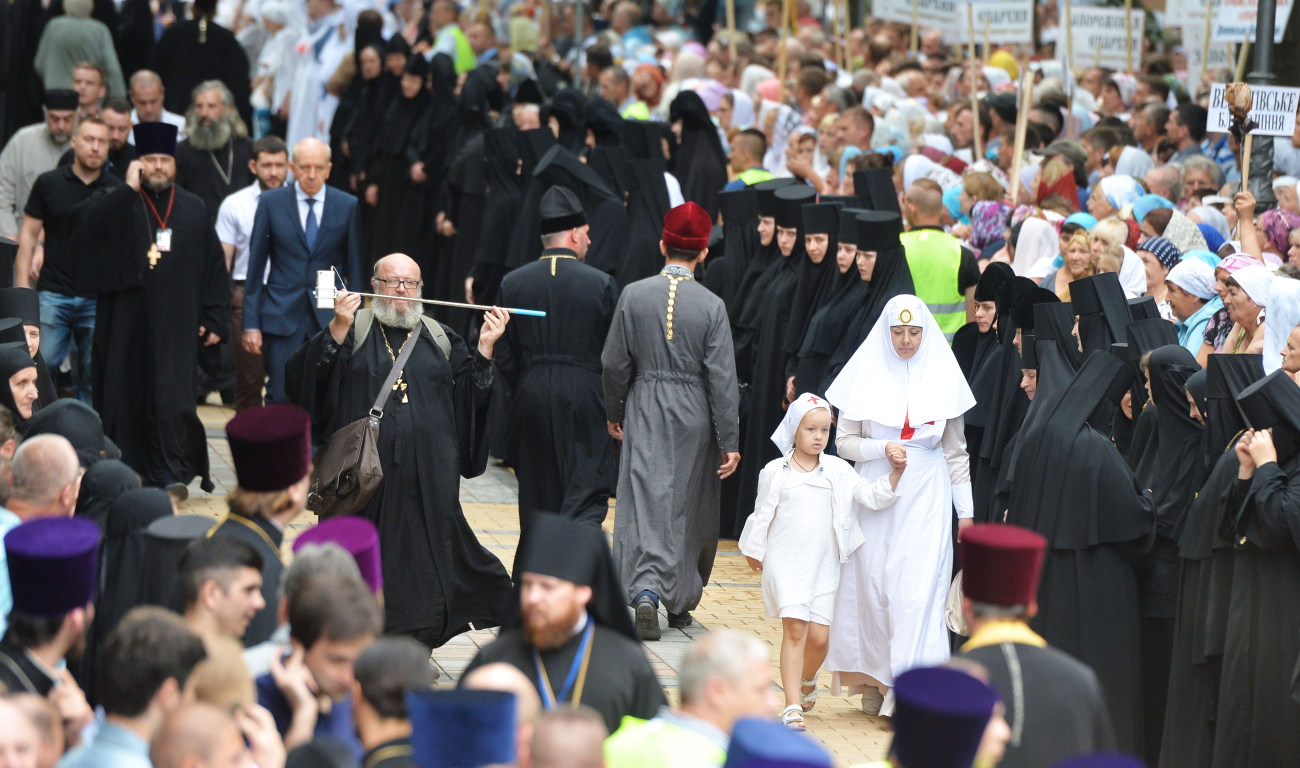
(962, 524)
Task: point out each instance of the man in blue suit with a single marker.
(299, 229)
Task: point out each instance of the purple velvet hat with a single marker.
(938, 700)
(271, 447)
(358, 536)
(53, 565)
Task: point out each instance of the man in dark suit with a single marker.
(1053, 701)
(299, 229)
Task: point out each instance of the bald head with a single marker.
(45, 468)
(195, 730)
(311, 165)
(507, 677)
(569, 738)
(394, 263)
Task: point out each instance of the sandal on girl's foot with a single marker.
(808, 700)
(872, 700)
(792, 717)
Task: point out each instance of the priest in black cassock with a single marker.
(438, 578)
(163, 286)
(572, 636)
(560, 448)
(1053, 701)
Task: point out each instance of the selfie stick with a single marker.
(326, 291)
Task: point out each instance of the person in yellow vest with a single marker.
(725, 676)
(944, 272)
(448, 37)
(746, 158)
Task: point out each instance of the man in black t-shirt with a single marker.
(67, 303)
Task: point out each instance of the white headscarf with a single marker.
(742, 111)
(1132, 275)
(1133, 162)
(1120, 190)
(1208, 214)
(877, 385)
(1039, 243)
(1283, 317)
(916, 167)
(1256, 281)
(785, 431)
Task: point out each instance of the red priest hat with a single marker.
(271, 447)
(687, 227)
(1001, 563)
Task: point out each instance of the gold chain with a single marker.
(673, 280)
(401, 375)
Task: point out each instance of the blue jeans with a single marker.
(66, 320)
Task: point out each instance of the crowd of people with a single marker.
(991, 367)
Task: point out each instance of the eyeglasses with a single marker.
(393, 282)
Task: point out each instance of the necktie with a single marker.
(312, 226)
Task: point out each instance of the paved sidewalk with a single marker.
(731, 599)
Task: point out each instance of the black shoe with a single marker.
(178, 491)
(647, 619)
(680, 620)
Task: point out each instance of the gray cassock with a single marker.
(678, 402)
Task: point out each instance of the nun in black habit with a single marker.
(1258, 716)
(767, 376)
(697, 161)
(739, 209)
(818, 277)
(18, 390)
(510, 157)
(829, 323)
(401, 220)
(1075, 489)
(648, 203)
(750, 308)
(1171, 471)
(1144, 336)
(1205, 546)
(976, 347)
(25, 305)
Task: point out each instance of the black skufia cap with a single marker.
(560, 210)
(766, 191)
(875, 188)
(879, 230)
(790, 201)
(22, 303)
(821, 219)
(529, 92)
(738, 205)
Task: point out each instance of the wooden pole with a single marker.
(916, 27)
(844, 35)
(974, 85)
(988, 49)
(1022, 126)
(1069, 34)
(1128, 36)
(1246, 146)
(731, 30)
(1205, 44)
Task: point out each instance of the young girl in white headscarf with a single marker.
(802, 529)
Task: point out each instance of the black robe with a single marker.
(184, 57)
(767, 378)
(561, 450)
(1053, 702)
(620, 681)
(201, 171)
(1098, 523)
(396, 753)
(698, 161)
(147, 327)
(19, 674)
(438, 578)
(262, 535)
(402, 222)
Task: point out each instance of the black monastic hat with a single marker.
(789, 205)
(560, 210)
(879, 230)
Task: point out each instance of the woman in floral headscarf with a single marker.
(988, 224)
(1276, 225)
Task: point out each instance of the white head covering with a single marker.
(1039, 243)
(1132, 274)
(1208, 214)
(785, 431)
(1283, 317)
(1133, 162)
(1121, 189)
(916, 167)
(752, 76)
(1255, 280)
(1285, 181)
(996, 77)
(937, 141)
(877, 385)
(742, 114)
(1196, 277)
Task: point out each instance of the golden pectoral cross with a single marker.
(401, 384)
(154, 255)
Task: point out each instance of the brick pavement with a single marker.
(731, 599)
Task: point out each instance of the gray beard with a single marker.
(157, 187)
(209, 137)
(387, 314)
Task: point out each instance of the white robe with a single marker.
(890, 604)
(311, 108)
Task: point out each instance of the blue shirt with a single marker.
(8, 522)
(1191, 332)
(337, 725)
(114, 747)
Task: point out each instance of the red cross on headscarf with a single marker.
(813, 399)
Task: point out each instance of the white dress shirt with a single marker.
(319, 197)
(235, 225)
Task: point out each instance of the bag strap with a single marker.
(377, 411)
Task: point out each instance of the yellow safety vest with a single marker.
(934, 259)
(753, 176)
